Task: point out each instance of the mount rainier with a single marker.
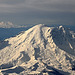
(39, 50)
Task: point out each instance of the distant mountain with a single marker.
(39, 50)
(9, 25)
(6, 24)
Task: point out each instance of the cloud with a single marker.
(40, 5)
(10, 6)
(54, 5)
(11, 1)
(38, 11)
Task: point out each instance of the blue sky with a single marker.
(38, 11)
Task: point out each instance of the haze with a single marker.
(38, 11)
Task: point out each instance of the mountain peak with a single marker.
(60, 26)
(39, 26)
(6, 24)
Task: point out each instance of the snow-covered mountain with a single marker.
(6, 24)
(9, 25)
(39, 50)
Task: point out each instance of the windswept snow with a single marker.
(40, 50)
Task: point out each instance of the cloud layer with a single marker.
(39, 11)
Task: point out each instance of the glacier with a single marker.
(39, 50)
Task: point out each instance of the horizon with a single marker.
(13, 31)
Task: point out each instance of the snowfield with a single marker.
(39, 50)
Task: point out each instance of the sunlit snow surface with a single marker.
(39, 50)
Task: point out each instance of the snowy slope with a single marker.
(40, 50)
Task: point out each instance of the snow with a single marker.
(6, 24)
(9, 24)
(39, 49)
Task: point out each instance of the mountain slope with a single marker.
(39, 49)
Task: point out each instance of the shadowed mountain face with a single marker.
(3, 44)
(15, 70)
(39, 49)
(63, 39)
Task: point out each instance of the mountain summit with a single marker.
(39, 50)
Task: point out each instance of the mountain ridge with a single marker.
(40, 45)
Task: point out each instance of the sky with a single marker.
(38, 11)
